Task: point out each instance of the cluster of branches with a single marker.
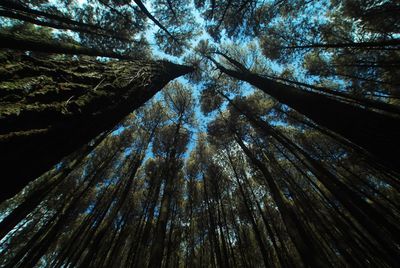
(296, 172)
(102, 26)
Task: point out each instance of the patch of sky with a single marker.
(59, 165)
(118, 131)
(90, 208)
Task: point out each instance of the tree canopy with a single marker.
(276, 145)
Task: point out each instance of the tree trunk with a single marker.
(368, 103)
(374, 132)
(13, 5)
(157, 249)
(385, 44)
(250, 214)
(143, 8)
(52, 179)
(293, 224)
(34, 20)
(25, 43)
(170, 171)
(50, 108)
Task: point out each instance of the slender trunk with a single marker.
(157, 249)
(20, 16)
(249, 210)
(143, 8)
(170, 171)
(239, 237)
(38, 194)
(384, 44)
(214, 242)
(171, 236)
(293, 225)
(13, 5)
(171, 8)
(25, 43)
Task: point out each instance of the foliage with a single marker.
(275, 150)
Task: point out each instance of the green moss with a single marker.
(23, 87)
(7, 70)
(13, 87)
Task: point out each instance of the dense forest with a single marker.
(204, 133)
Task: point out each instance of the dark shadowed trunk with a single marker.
(294, 225)
(26, 43)
(53, 179)
(384, 44)
(50, 108)
(63, 26)
(20, 8)
(370, 130)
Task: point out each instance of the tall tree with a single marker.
(48, 116)
(170, 145)
(372, 131)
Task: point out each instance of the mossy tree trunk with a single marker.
(49, 108)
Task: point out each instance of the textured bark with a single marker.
(25, 43)
(50, 108)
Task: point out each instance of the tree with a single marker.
(170, 145)
(274, 150)
(69, 110)
(18, 11)
(324, 111)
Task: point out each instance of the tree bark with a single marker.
(25, 43)
(51, 108)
